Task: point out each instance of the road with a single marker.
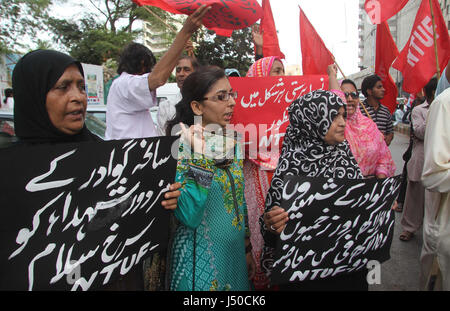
(401, 272)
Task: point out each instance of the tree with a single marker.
(234, 52)
(104, 31)
(43, 45)
(88, 41)
(21, 18)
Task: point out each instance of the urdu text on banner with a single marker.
(79, 216)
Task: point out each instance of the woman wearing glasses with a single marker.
(211, 249)
(366, 141)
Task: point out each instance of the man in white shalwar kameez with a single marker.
(435, 257)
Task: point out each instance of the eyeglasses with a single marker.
(354, 95)
(222, 96)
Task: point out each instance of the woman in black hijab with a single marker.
(50, 99)
(50, 107)
(314, 146)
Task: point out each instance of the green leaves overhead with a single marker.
(19, 18)
(234, 52)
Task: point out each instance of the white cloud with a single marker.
(336, 21)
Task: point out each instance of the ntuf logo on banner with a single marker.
(335, 227)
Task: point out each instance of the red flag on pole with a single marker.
(315, 55)
(381, 10)
(417, 61)
(223, 17)
(271, 46)
(386, 52)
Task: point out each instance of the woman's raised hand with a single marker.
(194, 21)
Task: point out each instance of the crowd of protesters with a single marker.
(226, 212)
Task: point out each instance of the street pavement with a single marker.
(402, 271)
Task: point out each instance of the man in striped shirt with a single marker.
(373, 90)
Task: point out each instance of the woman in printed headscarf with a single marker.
(258, 174)
(270, 66)
(366, 141)
(50, 107)
(314, 146)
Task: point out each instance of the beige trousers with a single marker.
(413, 208)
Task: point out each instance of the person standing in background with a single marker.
(413, 208)
(444, 81)
(419, 99)
(166, 111)
(365, 140)
(8, 101)
(134, 92)
(435, 256)
(373, 90)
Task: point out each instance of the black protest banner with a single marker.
(78, 216)
(335, 226)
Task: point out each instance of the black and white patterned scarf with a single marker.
(306, 153)
(304, 150)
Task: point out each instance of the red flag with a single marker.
(417, 61)
(270, 38)
(386, 52)
(223, 17)
(381, 10)
(315, 55)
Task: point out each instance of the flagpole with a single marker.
(340, 70)
(435, 41)
(364, 107)
(160, 19)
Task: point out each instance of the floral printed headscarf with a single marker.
(262, 67)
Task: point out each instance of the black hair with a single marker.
(194, 88)
(430, 89)
(348, 81)
(369, 83)
(134, 58)
(194, 62)
(8, 93)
